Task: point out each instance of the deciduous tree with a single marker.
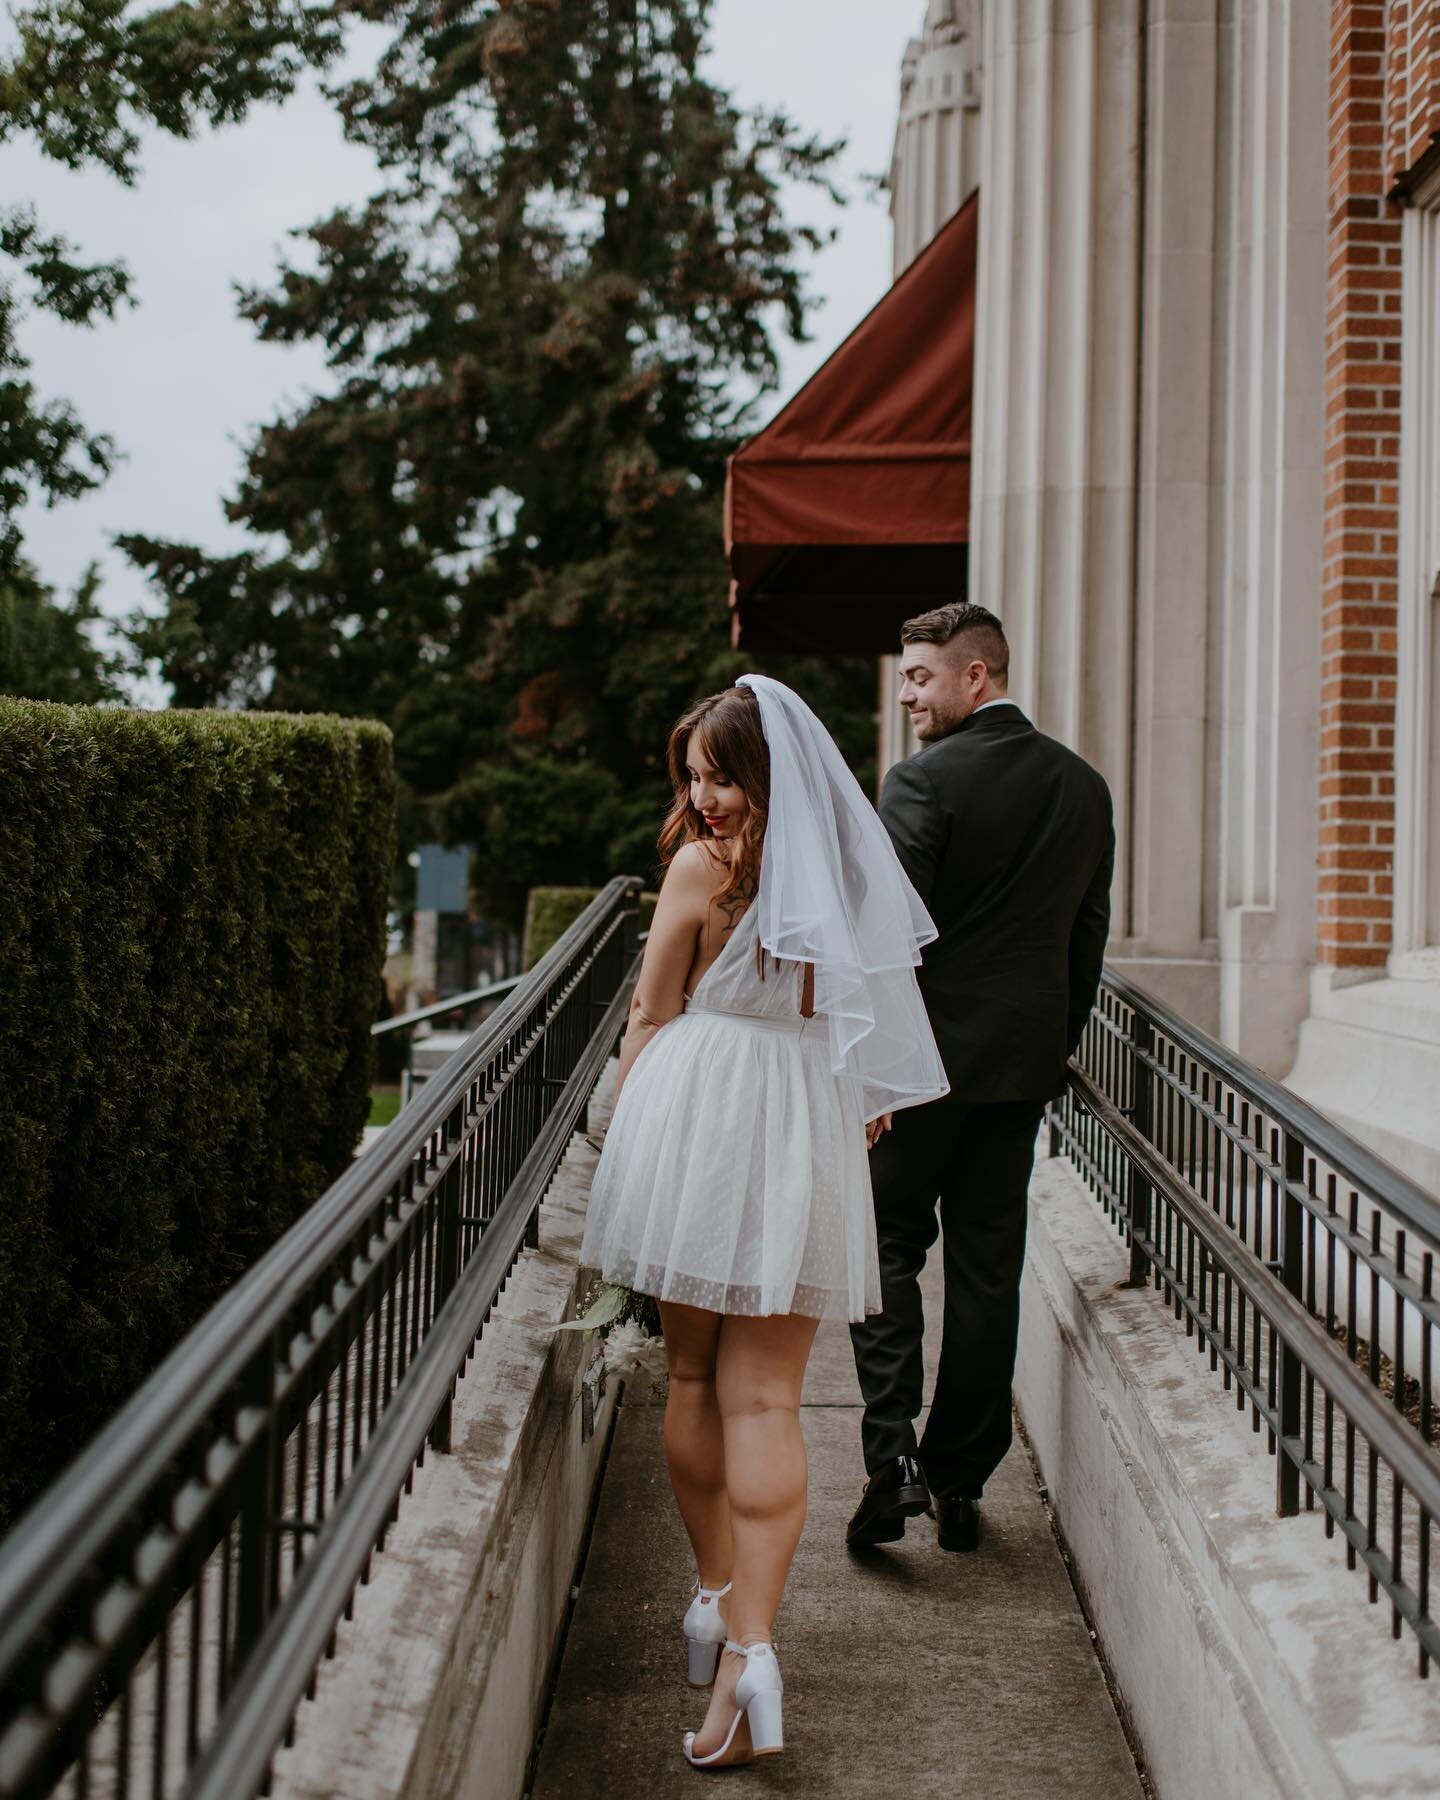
(82, 80)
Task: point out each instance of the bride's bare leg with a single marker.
(759, 1369)
(694, 1439)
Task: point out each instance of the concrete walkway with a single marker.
(909, 1672)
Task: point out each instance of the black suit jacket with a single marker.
(1008, 836)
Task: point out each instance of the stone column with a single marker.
(935, 163)
(1170, 947)
(1268, 515)
(1052, 504)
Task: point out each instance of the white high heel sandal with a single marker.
(757, 1699)
(704, 1634)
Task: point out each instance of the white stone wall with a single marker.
(1248, 1659)
(1146, 481)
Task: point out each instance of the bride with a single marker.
(776, 1024)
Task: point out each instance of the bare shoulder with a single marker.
(696, 865)
(696, 874)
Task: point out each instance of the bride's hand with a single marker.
(874, 1129)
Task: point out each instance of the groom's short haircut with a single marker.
(971, 631)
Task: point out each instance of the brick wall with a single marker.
(1362, 456)
(1412, 82)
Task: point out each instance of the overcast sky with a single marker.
(180, 381)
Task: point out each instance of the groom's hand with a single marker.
(876, 1128)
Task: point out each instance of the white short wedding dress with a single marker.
(735, 1175)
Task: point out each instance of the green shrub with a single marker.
(549, 914)
(193, 928)
(551, 911)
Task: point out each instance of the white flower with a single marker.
(630, 1350)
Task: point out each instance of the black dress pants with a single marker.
(966, 1169)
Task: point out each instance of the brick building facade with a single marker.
(1384, 129)
(1355, 886)
(1371, 1047)
(1411, 52)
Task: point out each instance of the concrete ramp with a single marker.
(909, 1672)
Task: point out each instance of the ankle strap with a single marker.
(712, 1593)
(748, 1650)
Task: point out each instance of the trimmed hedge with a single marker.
(549, 914)
(551, 911)
(190, 949)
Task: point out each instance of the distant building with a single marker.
(440, 960)
(1205, 487)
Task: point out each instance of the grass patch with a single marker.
(384, 1104)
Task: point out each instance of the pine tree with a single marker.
(502, 528)
(46, 649)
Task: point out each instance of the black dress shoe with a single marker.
(958, 1520)
(892, 1495)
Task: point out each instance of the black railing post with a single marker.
(256, 1568)
(1142, 1099)
(1291, 1375)
(548, 1082)
(621, 951)
(447, 1248)
(629, 933)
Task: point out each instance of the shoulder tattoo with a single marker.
(733, 906)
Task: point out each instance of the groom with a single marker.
(1007, 836)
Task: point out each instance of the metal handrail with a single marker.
(1267, 1292)
(1242, 1206)
(454, 1003)
(278, 1672)
(236, 1484)
(1353, 1161)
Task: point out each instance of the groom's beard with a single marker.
(936, 722)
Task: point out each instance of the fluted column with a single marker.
(1052, 507)
(1269, 525)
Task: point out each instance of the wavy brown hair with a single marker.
(729, 727)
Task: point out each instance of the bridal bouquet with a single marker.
(629, 1327)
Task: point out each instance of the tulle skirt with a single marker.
(735, 1176)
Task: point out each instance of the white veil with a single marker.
(833, 893)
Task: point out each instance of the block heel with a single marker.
(764, 1715)
(757, 1702)
(703, 1661)
(704, 1635)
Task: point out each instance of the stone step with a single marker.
(430, 1054)
(1369, 1058)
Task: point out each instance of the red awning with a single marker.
(850, 511)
